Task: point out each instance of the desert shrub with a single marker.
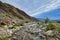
(51, 26)
(12, 27)
(19, 24)
(58, 28)
(16, 25)
(41, 25)
(5, 38)
(26, 21)
(1, 24)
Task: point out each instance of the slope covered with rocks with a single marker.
(14, 25)
(9, 12)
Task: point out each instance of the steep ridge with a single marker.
(8, 11)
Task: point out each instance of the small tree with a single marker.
(47, 20)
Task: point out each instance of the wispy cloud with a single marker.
(53, 5)
(34, 7)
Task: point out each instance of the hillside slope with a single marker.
(9, 12)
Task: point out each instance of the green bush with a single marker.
(51, 26)
(5, 38)
(16, 25)
(58, 28)
(41, 25)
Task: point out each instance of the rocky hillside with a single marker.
(14, 25)
(9, 12)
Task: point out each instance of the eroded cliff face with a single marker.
(9, 12)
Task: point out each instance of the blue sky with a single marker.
(53, 14)
(35, 7)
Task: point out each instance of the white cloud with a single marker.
(43, 8)
(54, 4)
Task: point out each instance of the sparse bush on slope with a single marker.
(52, 26)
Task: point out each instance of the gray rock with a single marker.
(49, 33)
